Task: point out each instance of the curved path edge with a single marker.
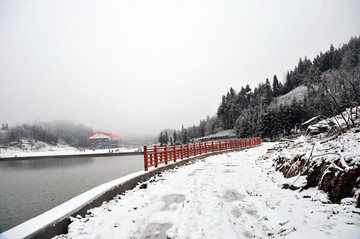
(56, 220)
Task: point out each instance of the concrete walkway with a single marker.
(232, 195)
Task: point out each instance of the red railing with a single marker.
(158, 155)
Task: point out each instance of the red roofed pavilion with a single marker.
(101, 140)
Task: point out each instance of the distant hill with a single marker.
(53, 133)
(324, 86)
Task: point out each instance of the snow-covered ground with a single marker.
(61, 149)
(232, 195)
(298, 94)
(230, 133)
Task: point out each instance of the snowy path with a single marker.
(233, 195)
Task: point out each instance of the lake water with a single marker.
(31, 187)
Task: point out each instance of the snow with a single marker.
(345, 147)
(299, 94)
(324, 126)
(310, 120)
(232, 195)
(230, 133)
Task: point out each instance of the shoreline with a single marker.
(55, 221)
(70, 155)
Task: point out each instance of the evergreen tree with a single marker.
(266, 126)
(252, 113)
(275, 87)
(175, 137)
(267, 92)
(185, 137)
(161, 138)
(202, 126)
(166, 138)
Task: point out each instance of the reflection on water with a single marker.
(31, 187)
(36, 164)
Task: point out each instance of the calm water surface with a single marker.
(31, 187)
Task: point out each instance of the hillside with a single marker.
(323, 86)
(298, 94)
(44, 135)
(24, 148)
(325, 158)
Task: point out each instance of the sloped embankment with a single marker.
(328, 175)
(330, 163)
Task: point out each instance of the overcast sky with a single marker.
(136, 67)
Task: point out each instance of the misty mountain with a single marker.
(49, 132)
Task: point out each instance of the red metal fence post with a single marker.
(219, 145)
(182, 151)
(205, 147)
(188, 150)
(166, 154)
(146, 163)
(200, 145)
(155, 156)
(212, 146)
(175, 156)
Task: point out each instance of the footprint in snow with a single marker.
(172, 198)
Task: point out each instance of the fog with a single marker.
(136, 67)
